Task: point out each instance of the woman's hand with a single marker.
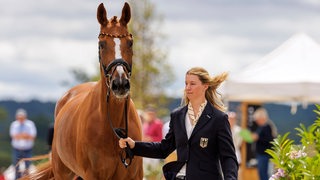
(123, 142)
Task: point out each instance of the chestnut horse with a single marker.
(85, 139)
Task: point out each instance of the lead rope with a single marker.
(122, 133)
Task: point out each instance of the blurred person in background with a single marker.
(151, 132)
(23, 133)
(235, 130)
(152, 125)
(263, 136)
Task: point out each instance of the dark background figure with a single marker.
(50, 135)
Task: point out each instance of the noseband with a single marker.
(115, 63)
(108, 72)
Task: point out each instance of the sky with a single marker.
(41, 41)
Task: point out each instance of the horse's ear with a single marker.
(126, 14)
(102, 15)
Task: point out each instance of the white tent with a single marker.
(290, 73)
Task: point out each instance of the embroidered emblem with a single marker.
(204, 142)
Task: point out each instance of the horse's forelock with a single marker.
(114, 20)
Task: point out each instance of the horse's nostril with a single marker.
(126, 84)
(115, 84)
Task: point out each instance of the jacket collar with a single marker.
(206, 115)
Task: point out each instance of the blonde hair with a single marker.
(211, 93)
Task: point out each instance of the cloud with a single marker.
(43, 64)
(42, 40)
(229, 35)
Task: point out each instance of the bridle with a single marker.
(116, 62)
(108, 72)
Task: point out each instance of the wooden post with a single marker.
(246, 173)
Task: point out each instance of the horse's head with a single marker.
(115, 50)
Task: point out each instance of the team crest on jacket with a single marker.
(204, 142)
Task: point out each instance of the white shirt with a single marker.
(26, 127)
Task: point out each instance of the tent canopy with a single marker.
(290, 73)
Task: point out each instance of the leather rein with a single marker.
(119, 132)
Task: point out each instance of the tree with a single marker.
(3, 113)
(151, 72)
(79, 76)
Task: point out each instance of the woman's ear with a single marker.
(206, 86)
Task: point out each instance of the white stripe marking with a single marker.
(117, 48)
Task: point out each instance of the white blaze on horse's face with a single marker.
(120, 84)
(117, 49)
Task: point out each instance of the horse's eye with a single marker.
(130, 43)
(102, 44)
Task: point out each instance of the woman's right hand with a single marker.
(123, 143)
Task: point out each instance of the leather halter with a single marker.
(119, 132)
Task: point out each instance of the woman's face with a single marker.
(194, 88)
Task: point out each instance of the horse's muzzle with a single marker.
(120, 87)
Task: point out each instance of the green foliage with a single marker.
(3, 114)
(80, 76)
(5, 154)
(298, 162)
(153, 171)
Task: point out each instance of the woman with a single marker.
(199, 131)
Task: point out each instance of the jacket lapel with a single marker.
(182, 121)
(206, 115)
